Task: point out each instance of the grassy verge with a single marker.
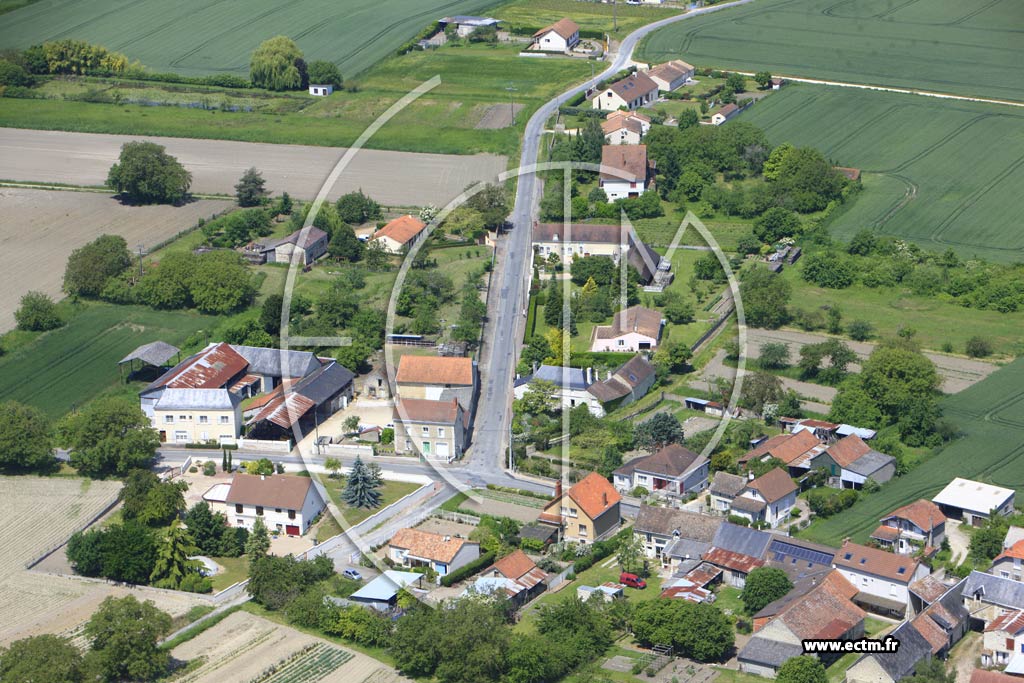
(199, 628)
(235, 569)
(391, 491)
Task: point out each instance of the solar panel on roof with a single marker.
(782, 550)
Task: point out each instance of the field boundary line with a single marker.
(98, 189)
(80, 527)
(892, 89)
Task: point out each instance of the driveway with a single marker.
(957, 373)
(959, 541)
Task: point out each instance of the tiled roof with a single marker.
(941, 618)
(1016, 551)
(929, 588)
(520, 568)
(1011, 622)
(629, 160)
(619, 114)
(789, 448)
(856, 557)
(886, 533)
(633, 319)
(580, 232)
(924, 513)
(671, 461)
(847, 450)
(728, 110)
(271, 491)
(913, 648)
(427, 545)
(741, 539)
(666, 521)
(564, 27)
(424, 410)
(594, 495)
(727, 485)
(670, 71)
(732, 561)
(985, 676)
(627, 378)
(435, 370)
(618, 123)
(312, 236)
(826, 611)
(632, 86)
(748, 504)
(401, 229)
(773, 485)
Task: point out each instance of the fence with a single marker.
(336, 449)
(456, 517)
(261, 445)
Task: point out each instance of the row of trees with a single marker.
(278, 64)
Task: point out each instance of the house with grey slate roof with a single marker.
(672, 535)
(889, 667)
(987, 596)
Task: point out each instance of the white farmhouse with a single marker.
(882, 578)
(633, 329)
(769, 498)
(444, 554)
(632, 92)
(628, 171)
(561, 36)
(285, 503)
(671, 75)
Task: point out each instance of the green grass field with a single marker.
(939, 173)
(591, 16)
(941, 45)
(390, 492)
(197, 38)
(991, 416)
(473, 79)
(67, 367)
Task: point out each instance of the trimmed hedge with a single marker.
(466, 571)
(601, 550)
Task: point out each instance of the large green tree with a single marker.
(110, 436)
(355, 208)
(896, 373)
(90, 267)
(26, 440)
(124, 634)
(41, 659)
(149, 500)
(764, 585)
(221, 283)
(361, 487)
(324, 73)
(765, 298)
(37, 313)
(251, 188)
(172, 557)
(259, 541)
(659, 431)
(277, 64)
(802, 669)
(699, 631)
(147, 174)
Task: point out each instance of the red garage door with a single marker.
(292, 530)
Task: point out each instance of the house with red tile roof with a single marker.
(795, 451)
(912, 527)
(628, 171)
(1008, 564)
(442, 553)
(515, 575)
(851, 462)
(561, 36)
(399, 233)
(587, 512)
(632, 92)
(882, 578)
(769, 498)
(286, 503)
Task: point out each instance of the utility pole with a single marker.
(140, 260)
(615, 16)
(511, 101)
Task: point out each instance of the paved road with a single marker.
(394, 178)
(508, 296)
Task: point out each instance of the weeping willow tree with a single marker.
(277, 65)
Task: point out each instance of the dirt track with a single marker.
(393, 178)
(40, 228)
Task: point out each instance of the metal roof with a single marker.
(772, 653)
(277, 362)
(386, 586)
(566, 378)
(197, 399)
(154, 353)
(974, 496)
(324, 382)
(869, 463)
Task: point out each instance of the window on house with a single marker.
(224, 419)
(238, 508)
(259, 510)
(182, 418)
(426, 446)
(425, 430)
(291, 514)
(204, 419)
(169, 419)
(1009, 644)
(278, 510)
(440, 432)
(621, 342)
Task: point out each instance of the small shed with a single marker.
(154, 354)
(382, 593)
(321, 90)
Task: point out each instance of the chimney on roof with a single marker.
(750, 476)
(447, 538)
(604, 499)
(263, 477)
(558, 489)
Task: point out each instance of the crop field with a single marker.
(591, 16)
(41, 513)
(991, 416)
(941, 174)
(197, 38)
(245, 647)
(41, 228)
(941, 45)
(69, 366)
(473, 79)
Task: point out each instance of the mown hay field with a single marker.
(196, 37)
(942, 174)
(991, 416)
(67, 367)
(941, 45)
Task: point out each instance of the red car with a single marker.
(632, 580)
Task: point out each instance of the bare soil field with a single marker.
(41, 513)
(499, 116)
(40, 229)
(246, 645)
(392, 178)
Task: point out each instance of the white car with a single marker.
(352, 574)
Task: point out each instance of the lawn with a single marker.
(473, 79)
(200, 38)
(942, 45)
(65, 368)
(990, 414)
(942, 174)
(936, 321)
(591, 16)
(235, 569)
(390, 492)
